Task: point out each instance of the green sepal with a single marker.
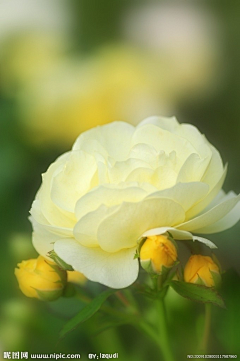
(215, 260)
(147, 266)
(137, 255)
(171, 239)
(198, 293)
(217, 279)
(63, 265)
(139, 243)
(49, 295)
(200, 281)
(62, 273)
(171, 272)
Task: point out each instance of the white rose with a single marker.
(119, 183)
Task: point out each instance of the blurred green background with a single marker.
(69, 65)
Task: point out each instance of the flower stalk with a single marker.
(163, 332)
(203, 348)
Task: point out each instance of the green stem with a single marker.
(206, 332)
(163, 332)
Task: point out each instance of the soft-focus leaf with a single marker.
(197, 293)
(86, 312)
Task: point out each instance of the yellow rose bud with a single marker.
(40, 278)
(76, 277)
(202, 270)
(156, 252)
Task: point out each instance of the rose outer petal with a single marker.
(209, 218)
(116, 270)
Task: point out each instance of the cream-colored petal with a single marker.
(215, 169)
(227, 221)
(210, 217)
(178, 235)
(44, 237)
(141, 174)
(205, 241)
(220, 197)
(53, 214)
(37, 214)
(193, 168)
(120, 171)
(123, 227)
(166, 123)
(161, 139)
(160, 178)
(109, 195)
(186, 194)
(116, 270)
(146, 153)
(73, 181)
(198, 140)
(85, 231)
(59, 231)
(114, 137)
(196, 209)
(164, 177)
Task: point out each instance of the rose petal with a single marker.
(179, 235)
(109, 195)
(116, 270)
(161, 139)
(227, 221)
(123, 228)
(43, 239)
(186, 194)
(213, 215)
(73, 181)
(193, 168)
(53, 214)
(215, 169)
(114, 137)
(196, 209)
(170, 124)
(85, 231)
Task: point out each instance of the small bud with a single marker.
(202, 270)
(156, 253)
(40, 278)
(76, 277)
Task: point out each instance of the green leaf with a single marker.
(86, 312)
(197, 293)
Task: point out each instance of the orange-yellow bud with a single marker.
(40, 278)
(202, 270)
(156, 252)
(76, 277)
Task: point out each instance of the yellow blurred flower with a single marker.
(76, 277)
(40, 278)
(156, 252)
(118, 82)
(202, 270)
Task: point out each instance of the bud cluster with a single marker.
(158, 254)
